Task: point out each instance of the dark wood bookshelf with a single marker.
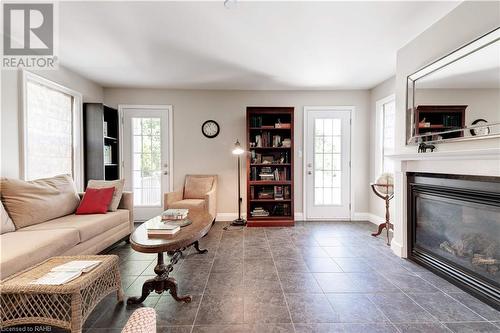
(94, 116)
(264, 122)
(440, 118)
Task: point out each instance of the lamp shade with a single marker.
(237, 149)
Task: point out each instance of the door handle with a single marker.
(309, 172)
(309, 165)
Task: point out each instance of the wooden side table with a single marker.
(387, 197)
(66, 306)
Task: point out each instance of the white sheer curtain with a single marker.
(49, 132)
(389, 122)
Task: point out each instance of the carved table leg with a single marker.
(379, 231)
(161, 282)
(171, 285)
(197, 247)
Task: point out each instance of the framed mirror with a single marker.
(457, 97)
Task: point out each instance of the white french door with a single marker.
(327, 162)
(146, 157)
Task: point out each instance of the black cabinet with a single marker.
(101, 140)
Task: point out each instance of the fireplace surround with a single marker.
(454, 230)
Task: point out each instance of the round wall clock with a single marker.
(210, 129)
(479, 130)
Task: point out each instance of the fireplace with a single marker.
(454, 230)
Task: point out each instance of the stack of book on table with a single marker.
(67, 272)
(161, 228)
(174, 214)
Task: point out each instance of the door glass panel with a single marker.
(146, 165)
(327, 158)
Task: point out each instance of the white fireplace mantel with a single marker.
(468, 162)
(477, 154)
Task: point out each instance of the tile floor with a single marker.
(315, 277)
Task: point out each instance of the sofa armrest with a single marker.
(211, 202)
(171, 197)
(127, 202)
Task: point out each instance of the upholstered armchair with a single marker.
(199, 193)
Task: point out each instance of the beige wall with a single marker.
(193, 153)
(440, 39)
(383, 90)
(11, 108)
(443, 37)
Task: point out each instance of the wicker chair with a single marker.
(143, 320)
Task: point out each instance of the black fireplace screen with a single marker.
(465, 233)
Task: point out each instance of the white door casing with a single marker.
(327, 169)
(146, 150)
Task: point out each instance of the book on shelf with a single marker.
(175, 214)
(266, 193)
(67, 272)
(286, 192)
(259, 212)
(108, 154)
(278, 192)
(281, 209)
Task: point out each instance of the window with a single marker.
(52, 135)
(386, 120)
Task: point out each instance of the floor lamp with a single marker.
(238, 150)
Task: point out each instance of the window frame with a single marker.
(379, 131)
(77, 117)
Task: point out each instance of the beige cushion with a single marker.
(197, 187)
(39, 200)
(6, 224)
(88, 226)
(22, 249)
(189, 204)
(117, 195)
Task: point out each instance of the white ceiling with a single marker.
(252, 45)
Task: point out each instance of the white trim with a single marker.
(77, 124)
(477, 154)
(170, 119)
(379, 134)
(228, 216)
(352, 117)
(298, 216)
(377, 220)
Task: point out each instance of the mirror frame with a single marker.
(463, 51)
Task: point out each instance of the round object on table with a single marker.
(385, 179)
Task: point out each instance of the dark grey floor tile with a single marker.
(174, 329)
(477, 327)
(256, 267)
(477, 306)
(261, 251)
(353, 265)
(133, 267)
(266, 308)
(371, 328)
(319, 328)
(220, 309)
(322, 265)
(313, 252)
(225, 283)
(329, 241)
(245, 328)
(438, 282)
(355, 308)
(354, 282)
(310, 308)
(291, 265)
(116, 316)
(399, 308)
(410, 283)
(299, 282)
(445, 308)
(194, 266)
(229, 265)
(191, 283)
(169, 312)
(341, 252)
(261, 282)
(422, 328)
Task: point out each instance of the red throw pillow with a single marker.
(95, 201)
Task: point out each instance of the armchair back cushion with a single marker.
(196, 187)
(37, 201)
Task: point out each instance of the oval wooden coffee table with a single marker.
(173, 245)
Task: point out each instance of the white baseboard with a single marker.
(398, 249)
(368, 217)
(298, 216)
